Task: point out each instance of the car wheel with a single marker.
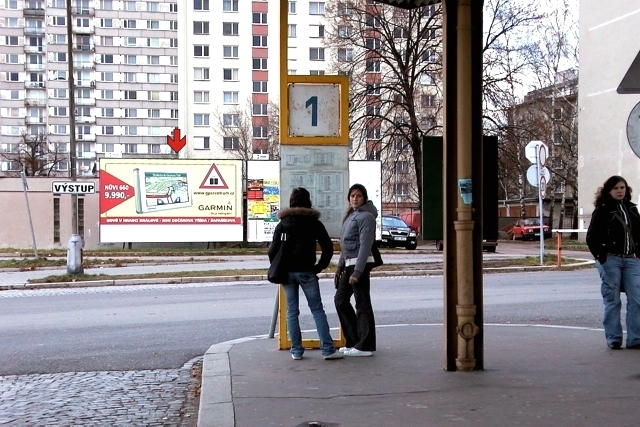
(412, 246)
(522, 237)
(440, 246)
(491, 249)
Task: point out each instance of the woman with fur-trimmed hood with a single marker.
(299, 230)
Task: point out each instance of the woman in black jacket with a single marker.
(299, 230)
(614, 240)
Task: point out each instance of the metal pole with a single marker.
(26, 199)
(540, 206)
(274, 318)
(72, 120)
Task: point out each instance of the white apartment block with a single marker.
(125, 72)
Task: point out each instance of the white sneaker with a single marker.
(341, 350)
(294, 357)
(355, 352)
(334, 355)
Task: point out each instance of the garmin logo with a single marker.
(217, 208)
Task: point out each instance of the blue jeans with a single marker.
(311, 288)
(616, 272)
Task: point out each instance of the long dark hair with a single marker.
(603, 192)
(363, 190)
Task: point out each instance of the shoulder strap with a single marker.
(627, 229)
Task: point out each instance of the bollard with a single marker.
(559, 250)
(74, 255)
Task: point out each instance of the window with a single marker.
(173, 25)
(344, 9)
(107, 41)
(230, 29)
(174, 97)
(12, 22)
(15, 94)
(59, 39)
(373, 43)
(259, 87)
(59, 21)
(130, 94)
(201, 50)
(155, 149)
(60, 75)
(60, 129)
(59, 93)
(130, 148)
(373, 88)
(11, 40)
(12, 77)
(345, 55)
(292, 30)
(153, 95)
(430, 56)
(373, 66)
(11, 4)
(373, 110)
(173, 60)
(316, 31)
(107, 112)
(316, 72)
(229, 51)
(153, 78)
(60, 111)
(173, 42)
(402, 188)
(292, 8)
(259, 63)
(201, 120)
(201, 74)
(200, 4)
(153, 6)
(201, 142)
(153, 60)
(173, 7)
(427, 101)
(259, 18)
(107, 130)
(260, 132)
(130, 59)
(431, 34)
(131, 130)
(427, 79)
(129, 23)
(345, 31)
(372, 21)
(201, 97)
(129, 77)
(374, 132)
(130, 5)
(106, 4)
(153, 113)
(316, 8)
(229, 5)
(316, 54)
(429, 10)
(259, 41)
(230, 143)
(201, 27)
(107, 94)
(174, 113)
(106, 23)
(260, 109)
(230, 74)
(231, 120)
(230, 97)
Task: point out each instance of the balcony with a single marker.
(35, 85)
(85, 119)
(84, 11)
(83, 47)
(33, 49)
(35, 120)
(33, 11)
(83, 65)
(34, 67)
(35, 102)
(84, 83)
(85, 101)
(33, 31)
(83, 30)
(86, 137)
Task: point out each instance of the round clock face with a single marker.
(633, 129)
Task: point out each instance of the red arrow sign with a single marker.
(113, 191)
(175, 142)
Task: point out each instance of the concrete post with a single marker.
(74, 255)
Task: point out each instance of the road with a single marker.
(126, 352)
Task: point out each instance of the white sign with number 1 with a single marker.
(314, 109)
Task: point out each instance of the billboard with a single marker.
(167, 200)
(263, 199)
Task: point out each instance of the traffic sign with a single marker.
(542, 155)
(316, 111)
(543, 186)
(73, 187)
(531, 150)
(532, 175)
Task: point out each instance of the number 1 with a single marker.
(313, 102)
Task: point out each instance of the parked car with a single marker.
(529, 229)
(396, 232)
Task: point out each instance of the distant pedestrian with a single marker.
(301, 227)
(614, 240)
(353, 274)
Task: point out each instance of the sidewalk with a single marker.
(533, 376)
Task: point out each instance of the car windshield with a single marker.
(393, 222)
(531, 222)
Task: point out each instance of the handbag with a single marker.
(278, 272)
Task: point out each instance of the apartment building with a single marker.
(125, 78)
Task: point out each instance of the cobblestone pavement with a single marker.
(159, 397)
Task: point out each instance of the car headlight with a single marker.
(385, 233)
(412, 234)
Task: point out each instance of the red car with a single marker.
(529, 229)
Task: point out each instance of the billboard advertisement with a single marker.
(167, 200)
(263, 199)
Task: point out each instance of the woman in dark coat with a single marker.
(614, 240)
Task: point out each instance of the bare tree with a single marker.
(35, 155)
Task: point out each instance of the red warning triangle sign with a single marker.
(214, 179)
